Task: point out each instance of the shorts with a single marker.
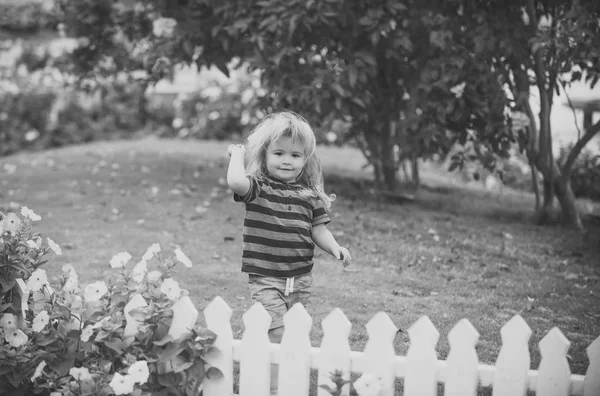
(270, 292)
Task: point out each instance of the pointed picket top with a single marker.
(512, 365)
(462, 363)
(255, 352)
(23, 292)
(380, 357)
(591, 384)
(421, 365)
(185, 315)
(335, 351)
(554, 372)
(218, 319)
(295, 353)
(132, 324)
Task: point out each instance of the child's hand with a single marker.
(233, 146)
(344, 255)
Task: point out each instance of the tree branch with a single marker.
(573, 109)
(581, 143)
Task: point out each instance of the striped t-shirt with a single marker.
(277, 238)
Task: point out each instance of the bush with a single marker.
(103, 338)
(585, 176)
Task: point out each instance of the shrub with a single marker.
(585, 176)
(103, 338)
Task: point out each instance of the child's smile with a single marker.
(285, 159)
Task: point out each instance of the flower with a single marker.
(29, 214)
(139, 372)
(121, 384)
(15, 337)
(70, 283)
(152, 250)
(458, 89)
(40, 321)
(171, 289)
(139, 271)
(367, 385)
(55, 248)
(69, 270)
(8, 321)
(32, 244)
(38, 370)
(182, 258)
(119, 260)
(86, 333)
(37, 280)
(80, 374)
(154, 276)
(164, 27)
(545, 22)
(95, 291)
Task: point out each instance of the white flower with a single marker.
(68, 270)
(182, 258)
(55, 248)
(119, 260)
(29, 214)
(171, 289)
(164, 27)
(32, 244)
(71, 283)
(8, 321)
(139, 271)
(139, 372)
(152, 250)
(122, 384)
(367, 385)
(154, 276)
(458, 89)
(524, 16)
(80, 374)
(37, 280)
(38, 370)
(545, 22)
(95, 291)
(15, 337)
(40, 321)
(86, 333)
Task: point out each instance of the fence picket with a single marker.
(218, 319)
(335, 351)
(295, 350)
(591, 384)
(185, 315)
(255, 353)
(554, 372)
(513, 361)
(462, 364)
(379, 352)
(421, 359)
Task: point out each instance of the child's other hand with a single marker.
(344, 255)
(232, 147)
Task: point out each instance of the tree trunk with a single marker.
(414, 164)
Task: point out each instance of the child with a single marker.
(286, 214)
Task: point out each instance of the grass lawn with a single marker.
(443, 255)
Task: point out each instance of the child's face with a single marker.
(285, 159)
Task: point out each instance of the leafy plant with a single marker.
(102, 338)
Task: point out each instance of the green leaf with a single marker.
(222, 67)
(170, 352)
(214, 373)
(352, 76)
(168, 338)
(338, 89)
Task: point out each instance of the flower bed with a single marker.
(134, 334)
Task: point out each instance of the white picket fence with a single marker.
(461, 373)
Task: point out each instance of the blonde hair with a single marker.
(289, 124)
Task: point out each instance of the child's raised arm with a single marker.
(236, 173)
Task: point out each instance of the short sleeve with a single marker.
(320, 215)
(251, 194)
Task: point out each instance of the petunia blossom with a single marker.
(152, 250)
(55, 248)
(15, 337)
(154, 276)
(31, 244)
(171, 289)
(8, 321)
(80, 374)
(86, 333)
(38, 370)
(182, 258)
(367, 385)
(139, 372)
(120, 259)
(40, 321)
(29, 214)
(37, 280)
(122, 384)
(95, 291)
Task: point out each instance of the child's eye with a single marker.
(296, 155)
